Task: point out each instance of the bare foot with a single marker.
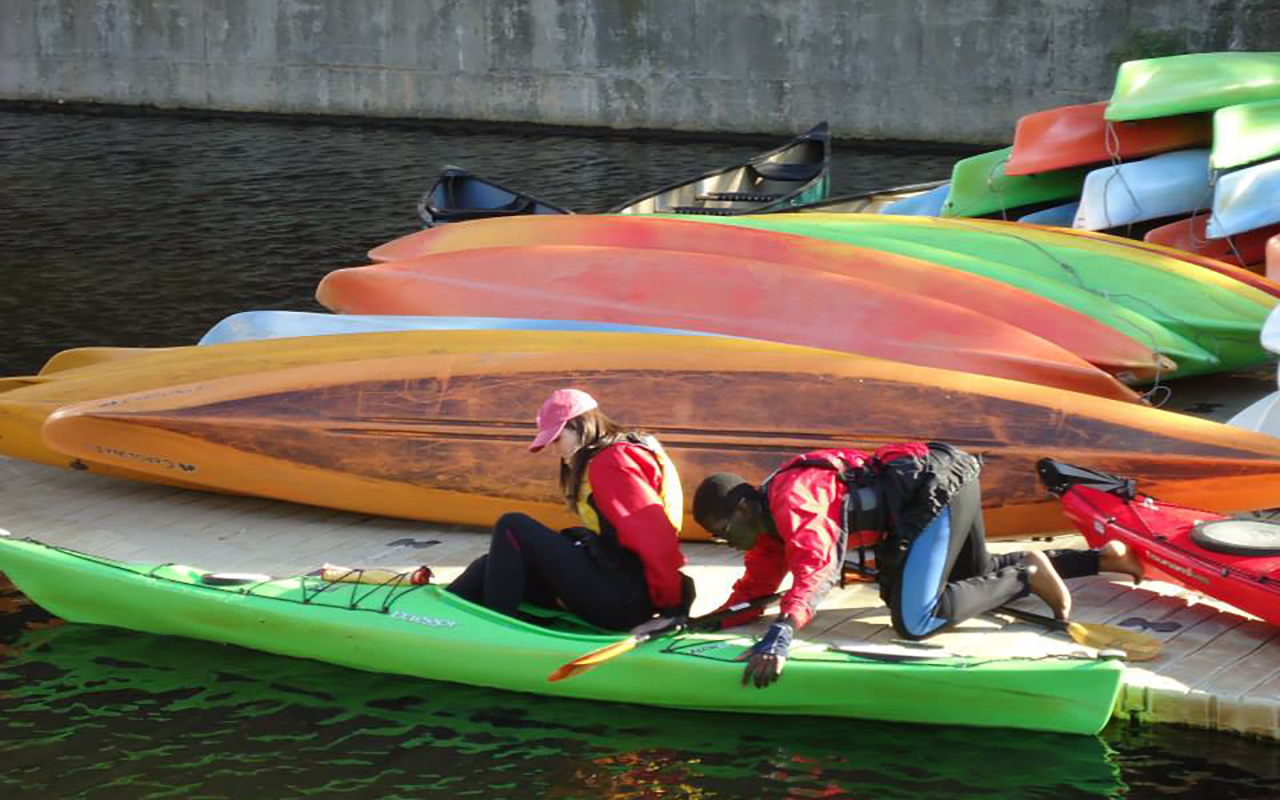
(1116, 556)
(1046, 584)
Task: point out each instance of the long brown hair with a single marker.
(596, 431)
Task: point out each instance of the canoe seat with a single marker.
(521, 205)
(788, 172)
(739, 197)
(712, 212)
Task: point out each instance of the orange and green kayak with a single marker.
(1131, 358)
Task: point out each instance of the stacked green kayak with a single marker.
(1204, 321)
(1245, 133)
(424, 632)
(979, 186)
(1163, 87)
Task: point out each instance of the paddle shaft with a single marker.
(1030, 616)
(716, 616)
(667, 628)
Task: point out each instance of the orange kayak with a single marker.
(716, 294)
(1109, 349)
(1074, 136)
(439, 433)
(1188, 234)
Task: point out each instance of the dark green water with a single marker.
(92, 712)
(147, 231)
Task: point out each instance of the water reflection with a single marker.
(146, 231)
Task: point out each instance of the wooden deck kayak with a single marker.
(1079, 135)
(439, 432)
(716, 294)
(1131, 358)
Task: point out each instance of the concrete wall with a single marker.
(901, 69)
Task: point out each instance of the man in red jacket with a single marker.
(917, 505)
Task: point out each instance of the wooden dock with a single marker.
(1220, 669)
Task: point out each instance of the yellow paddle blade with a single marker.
(1136, 646)
(594, 658)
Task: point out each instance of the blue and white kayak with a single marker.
(1245, 200)
(1263, 416)
(1058, 216)
(926, 204)
(257, 325)
(1166, 185)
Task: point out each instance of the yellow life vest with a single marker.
(672, 494)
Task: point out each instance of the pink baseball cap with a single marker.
(562, 406)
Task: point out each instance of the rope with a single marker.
(1078, 280)
(309, 592)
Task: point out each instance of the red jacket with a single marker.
(626, 484)
(807, 506)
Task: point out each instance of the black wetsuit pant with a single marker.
(948, 575)
(531, 563)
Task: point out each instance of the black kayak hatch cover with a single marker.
(1238, 537)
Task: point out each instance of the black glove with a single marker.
(768, 656)
(688, 592)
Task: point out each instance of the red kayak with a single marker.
(715, 294)
(1188, 234)
(1234, 560)
(1073, 136)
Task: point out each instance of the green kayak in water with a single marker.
(1211, 322)
(425, 632)
(1163, 87)
(979, 186)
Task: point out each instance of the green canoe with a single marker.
(1163, 87)
(426, 632)
(1204, 321)
(1245, 133)
(979, 186)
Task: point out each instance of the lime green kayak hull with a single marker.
(979, 186)
(1245, 133)
(425, 632)
(1204, 321)
(1163, 87)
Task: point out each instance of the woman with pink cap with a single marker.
(622, 565)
